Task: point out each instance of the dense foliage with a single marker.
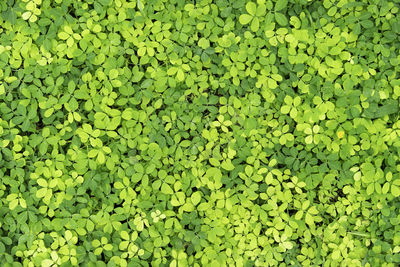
(199, 133)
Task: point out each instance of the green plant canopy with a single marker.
(199, 133)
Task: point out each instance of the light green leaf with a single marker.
(98, 251)
(41, 192)
(370, 189)
(309, 139)
(166, 189)
(113, 74)
(63, 35)
(395, 190)
(42, 182)
(214, 162)
(171, 71)
(26, 15)
(93, 153)
(285, 109)
(48, 112)
(248, 170)
(227, 165)
(108, 247)
(101, 159)
(13, 204)
(336, 254)
(251, 8)
(119, 185)
(70, 41)
(309, 219)
(255, 25)
(245, 19)
(204, 43)
(180, 76)
(196, 198)
(287, 245)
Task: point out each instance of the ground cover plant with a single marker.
(199, 133)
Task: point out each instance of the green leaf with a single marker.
(309, 139)
(48, 112)
(180, 75)
(13, 204)
(390, 108)
(63, 35)
(166, 189)
(255, 25)
(171, 71)
(196, 198)
(70, 41)
(98, 251)
(287, 245)
(280, 4)
(309, 219)
(42, 182)
(395, 190)
(89, 225)
(214, 162)
(227, 165)
(336, 255)
(285, 109)
(114, 123)
(119, 185)
(101, 159)
(245, 19)
(370, 189)
(248, 170)
(93, 153)
(108, 247)
(251, 8)
(41, 192)
(2, 89)
(281, 19)
(261, 10)
(204, 43)
(113, 74)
